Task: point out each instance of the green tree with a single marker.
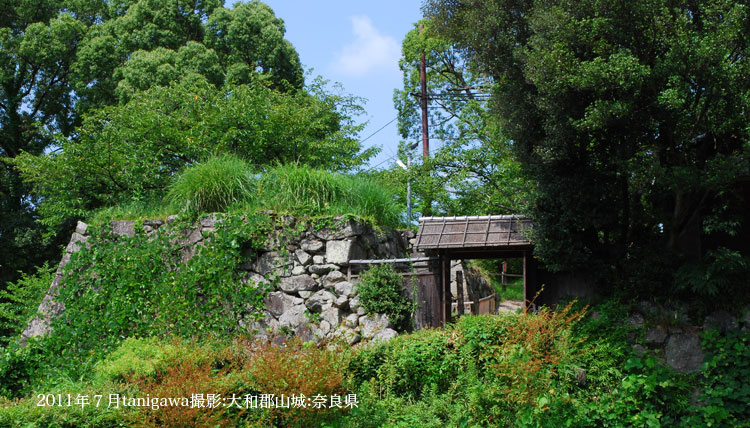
(39, 43)
(629, 118)
(472, 171)
(64, 60)
(133, 150)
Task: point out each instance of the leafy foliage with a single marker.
(39, 45)
(724, 389)
(627, 119)
(381, 290)
(19, 302)
(133, 151)
(128, 287)
(297, 368)
(472, 171)
(65, 61)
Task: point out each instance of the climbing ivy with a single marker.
(141, 286)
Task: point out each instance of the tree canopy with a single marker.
(471, 171)
(628, 118)
(102, 101)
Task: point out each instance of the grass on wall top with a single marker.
(229, 184)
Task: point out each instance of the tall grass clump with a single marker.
(212, 186)
(303, 190)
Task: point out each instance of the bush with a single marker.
(134, 358)
(381, 290)
(725, 389)
(484, 371)
(406, 364)
(187, 370)
(18, 366)
(297, 368)
(212, 186)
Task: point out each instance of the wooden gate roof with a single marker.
(493, 232)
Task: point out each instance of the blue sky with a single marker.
(356, 43)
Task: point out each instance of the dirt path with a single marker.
(509, 306)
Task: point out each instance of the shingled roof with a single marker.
(473, 232)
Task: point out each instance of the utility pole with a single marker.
(425, 134)
(423, 98)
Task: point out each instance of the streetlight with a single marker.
(408, 180)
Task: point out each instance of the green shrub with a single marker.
(212, 186)
(381, 290)
(18, 367)
(27, 412)
(133, 358)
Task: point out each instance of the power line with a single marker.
(380, 129)
(381, 163)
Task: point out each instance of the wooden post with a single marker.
(460, 292)
(530, 282)
(504, 281)
(525, 286)
(446, 269)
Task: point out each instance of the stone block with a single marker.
(720, 320)
(371, 325)
(384, 335)
(342, 303)
(297, 283)
(303, 257)
(320, 300)
(312, 246)
(340, 252)
(123, 227)
(351, 320)
(321, 269)
(268, 262)
(333, 277)
(294, 317)
(332, 315)
(278, 302)
(81, 227)
(656, 335)
(683, 353)
(344, 288)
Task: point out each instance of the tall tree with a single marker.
(471, 171)
(63, 60)
(39, 44)
(629, 117)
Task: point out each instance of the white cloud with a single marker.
(370, 51)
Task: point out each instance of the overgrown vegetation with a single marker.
(135, 286)
(627, 125)
(562, 368)
(228, 184)
(19, 301)
(620, 127)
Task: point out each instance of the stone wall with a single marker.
(312, 295)
(669, 333)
